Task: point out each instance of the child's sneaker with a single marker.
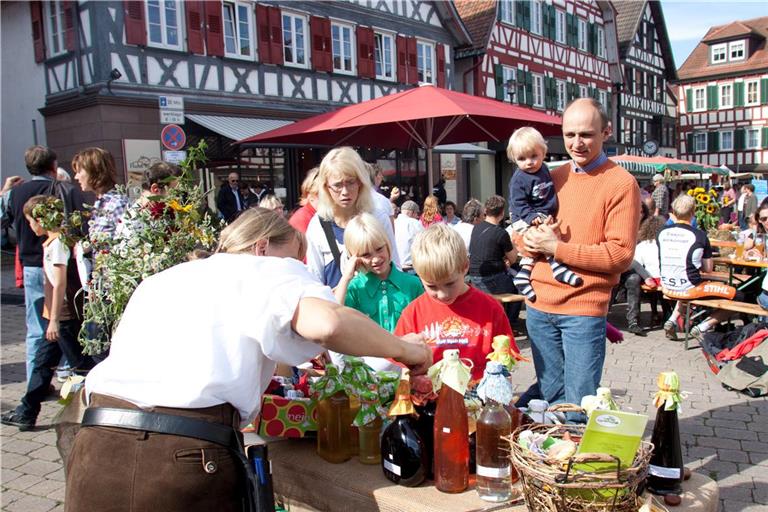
(670, 330)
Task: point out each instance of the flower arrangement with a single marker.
(707, 207)
(50, 214)
(157, 235)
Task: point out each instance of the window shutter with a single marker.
(520, 96)
(764, 91)
(545, 21)
(713, 141)
(440, 50)
(689, 146)
(402, 59)
(135, 26)
(527, 14)
(413, 70)
(70, 11)
(321, 44)
(711, 97)
(529, 88)
(591, 37)
(38, 37)
(498, 78)
(194, 11)
(765, 137)
(262, 26)
(366, 64)
(550, 89)
(738, 139)
(276, 34)
(570, 29)
(738, 94)
(498, 11)
(214, 32)
(689, 101)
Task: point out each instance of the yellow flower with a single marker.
(703, 198)
(711, 208)
(174, 205)
(699, 190)
(691, 192)
(713, 192)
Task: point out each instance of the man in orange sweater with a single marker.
(598, 221)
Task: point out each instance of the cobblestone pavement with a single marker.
(724, 434)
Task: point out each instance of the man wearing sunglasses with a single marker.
(229, 201)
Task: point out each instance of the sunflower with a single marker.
(703, 198)
(711, 209)
(713, 192)
(691, 192)
(699, 190)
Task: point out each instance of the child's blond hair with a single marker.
(683, 207)
(439, 253)
(364, 234)
(523, 141)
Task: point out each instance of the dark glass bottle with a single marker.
(404, 457)
(666, 470)
(425, 425)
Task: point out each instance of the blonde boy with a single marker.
(532, 201)
(451, 314)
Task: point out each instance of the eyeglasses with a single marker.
(352, 184)
(234, 181)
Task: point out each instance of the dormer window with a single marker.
(719, 53)
(736, 50)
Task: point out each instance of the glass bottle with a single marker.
(425, 424)
(370, 449)
(333, 428)
(451, 430)
(666, 469)
(494, 468)
(537, 410)
(404, 456)
(354, 431)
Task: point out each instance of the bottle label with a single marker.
(663, 472)
(487, 472)
(446, 430)
(392, 467)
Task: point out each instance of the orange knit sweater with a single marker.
(599, 214)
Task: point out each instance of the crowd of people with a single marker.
(351, 271)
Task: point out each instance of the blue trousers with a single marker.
(568, 354)
(34, 285)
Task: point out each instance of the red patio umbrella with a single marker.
(424, 117)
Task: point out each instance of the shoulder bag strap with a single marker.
(328, 230)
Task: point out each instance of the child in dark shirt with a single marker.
(532, 202)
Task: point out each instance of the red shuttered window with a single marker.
(195, 29)
(402, 59)
(440, 51)
(38, 37)
(269, 25)
(135, 26)
(366, 63)
(413, 72)
(320, 29)
(214, 33)
(70, 11)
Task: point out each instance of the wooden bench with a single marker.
(506, 298)
(724, 304)
(724, 276)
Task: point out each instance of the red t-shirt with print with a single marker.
(469, 324)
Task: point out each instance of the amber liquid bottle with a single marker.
(370, 450)
(494, 468)
(333, 428)
(451, 437)
(354, 431)
(665, 473)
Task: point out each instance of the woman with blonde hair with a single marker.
(344, 191)
(430, 214)
(213, 352)
(271, 202)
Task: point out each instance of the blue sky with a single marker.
(688, 20)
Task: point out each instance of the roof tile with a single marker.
(478, 16)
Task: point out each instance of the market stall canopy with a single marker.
(236, 128)
(423, 117)
(662, 165)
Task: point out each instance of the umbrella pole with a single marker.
(430, 176)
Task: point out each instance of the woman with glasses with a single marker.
(344, 191)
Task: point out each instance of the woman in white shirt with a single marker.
(645, 269)
(200, 341)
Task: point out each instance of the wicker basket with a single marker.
(566, 488)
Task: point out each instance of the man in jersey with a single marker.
(685, 252)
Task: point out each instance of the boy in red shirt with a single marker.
(451, 314)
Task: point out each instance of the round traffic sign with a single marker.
(173, 137)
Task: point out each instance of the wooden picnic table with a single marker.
(732, 263)
(724, 243)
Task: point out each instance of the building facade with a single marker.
(723, 98)
(240, 68)
(540, 55)
(645, 104)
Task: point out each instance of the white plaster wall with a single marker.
(22, 88)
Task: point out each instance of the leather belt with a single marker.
(161, 423)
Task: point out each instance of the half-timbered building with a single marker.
(241, 67)
(723, 97)
(539, 54)
(646, 126)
